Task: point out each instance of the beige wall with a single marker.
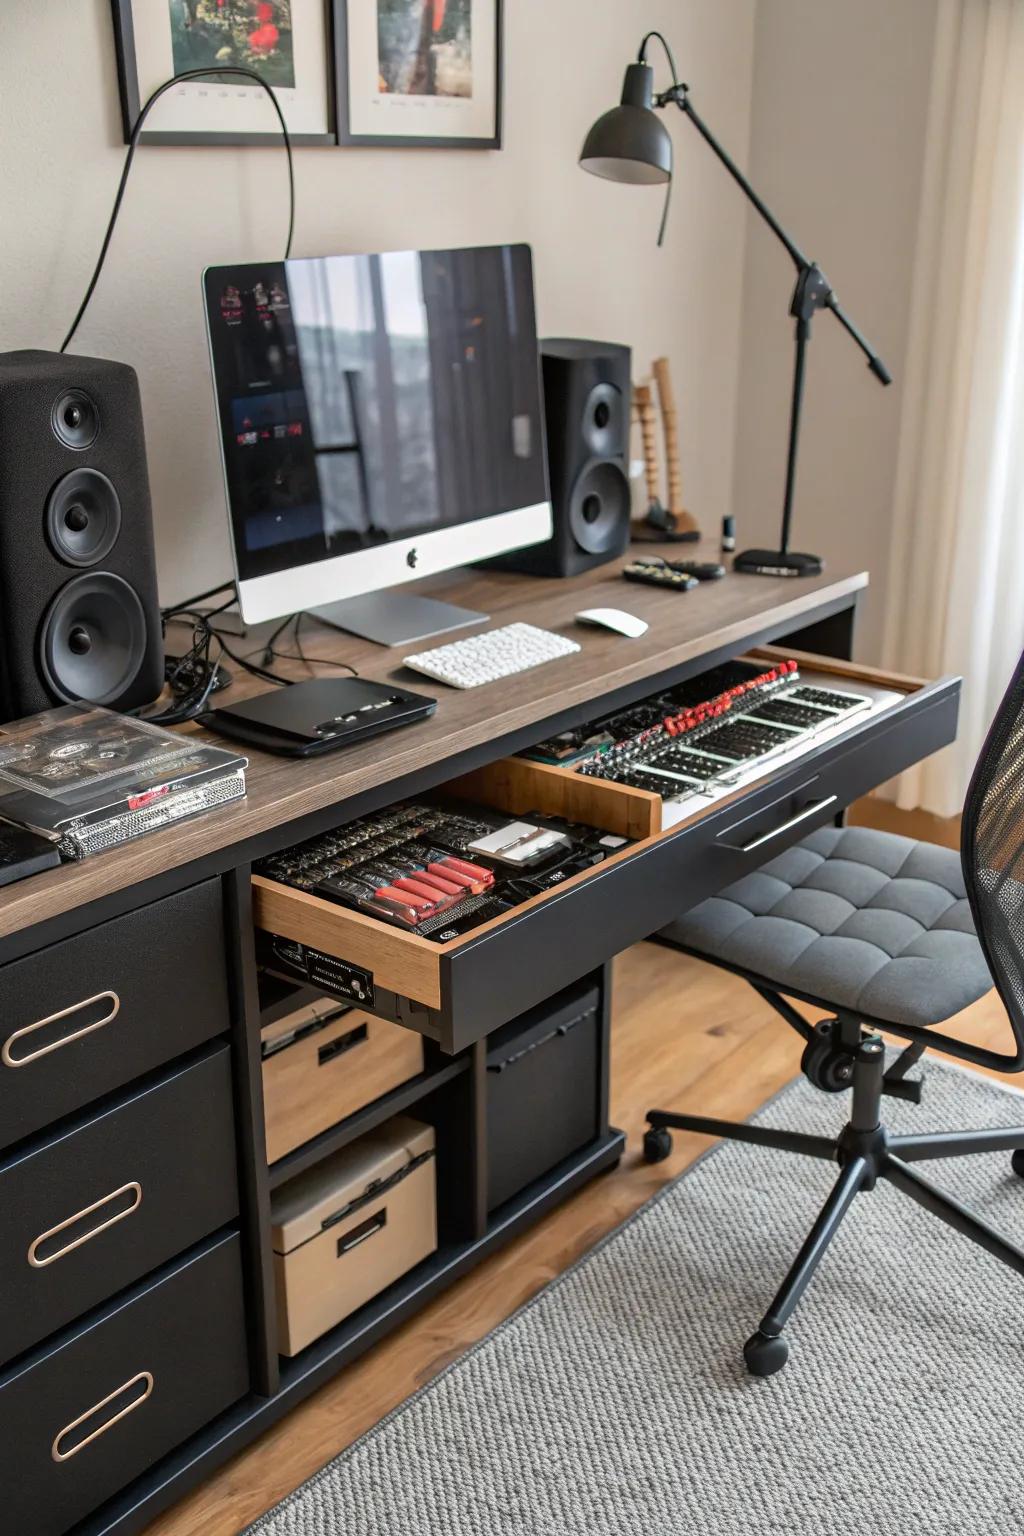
(598, 271)
(837, 143)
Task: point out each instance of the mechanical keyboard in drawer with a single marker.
(113, 1196)
(91, 1013)
(681, 846)
(96, 1406)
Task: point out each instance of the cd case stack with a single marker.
(89, 779)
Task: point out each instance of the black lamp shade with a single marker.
(630, 143)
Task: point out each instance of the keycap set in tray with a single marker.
(708, 743)
(406, 866)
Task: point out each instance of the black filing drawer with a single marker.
(113, 1196)
(89, 1014)
(91, 1410)
(543, 1090)
(459, 991)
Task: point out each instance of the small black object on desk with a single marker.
(659, 526)
(24, 853)
(631, 144)
(320, 715)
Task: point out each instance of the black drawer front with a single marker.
(113, 1197)
(543, 1090)
(87, 1414)
(138, 990)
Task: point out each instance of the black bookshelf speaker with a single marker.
(587, 415)
(79, 615)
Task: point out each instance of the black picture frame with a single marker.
(411, 141)
(131, 100)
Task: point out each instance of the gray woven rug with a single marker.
(615, 1403)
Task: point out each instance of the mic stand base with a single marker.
(775, 562)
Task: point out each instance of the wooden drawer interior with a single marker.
(417, 969)
(409, 965)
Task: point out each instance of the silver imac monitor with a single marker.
(380, 420)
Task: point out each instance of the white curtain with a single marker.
(956, 600)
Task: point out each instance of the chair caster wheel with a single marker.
(657, 1144)
(764, 1355)
(1017, 1162)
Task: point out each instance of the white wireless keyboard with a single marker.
(498, 653)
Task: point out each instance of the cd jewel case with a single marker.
(89, 778)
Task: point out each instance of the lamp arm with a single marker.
(680, 95)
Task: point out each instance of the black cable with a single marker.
(676, 86)
(268, 650)
(187, 74)
(318, 661)
(190, 602)
(246, 664)
(641, 57)
(193, 676)
(299, 654)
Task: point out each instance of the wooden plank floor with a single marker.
(685, 1036)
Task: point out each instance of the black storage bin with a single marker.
(543, 1089)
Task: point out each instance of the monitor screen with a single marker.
(364, 399)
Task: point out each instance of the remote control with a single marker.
(658, 573)
(704, 570)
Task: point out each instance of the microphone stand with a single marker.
(812, 292)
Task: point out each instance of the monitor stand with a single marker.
(398, 618)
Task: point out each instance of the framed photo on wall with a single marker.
(419, 72)
(287, 42)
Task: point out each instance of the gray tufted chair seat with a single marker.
(857, 919)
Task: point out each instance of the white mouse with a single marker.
(614, 618)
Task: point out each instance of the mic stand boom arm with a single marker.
(812, 292)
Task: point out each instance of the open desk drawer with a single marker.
(458, 992)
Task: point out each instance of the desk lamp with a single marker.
(631, 144)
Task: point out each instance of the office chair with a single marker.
(886, 934)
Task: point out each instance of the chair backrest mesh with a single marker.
(992, 850)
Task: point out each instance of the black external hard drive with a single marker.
(320, 715)
(23, 852)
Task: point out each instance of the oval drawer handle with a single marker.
(143, 1377)
(7, 1055)
(134, 1189)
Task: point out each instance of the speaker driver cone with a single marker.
(93, 639)
(603, 428)
(599, 507)
(83, 517)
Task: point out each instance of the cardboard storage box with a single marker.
(345, 1229)
(322, 1063)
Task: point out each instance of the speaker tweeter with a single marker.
(75, 419)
